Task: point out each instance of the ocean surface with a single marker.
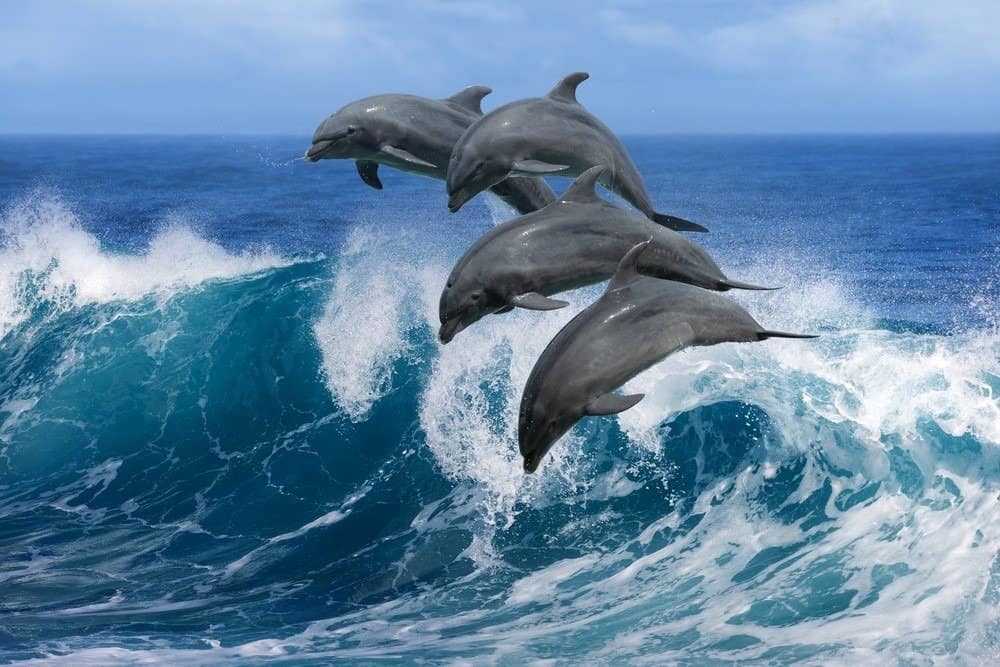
(228, 434)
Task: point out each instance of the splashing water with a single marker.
(214, 452)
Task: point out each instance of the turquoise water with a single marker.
(228, 435)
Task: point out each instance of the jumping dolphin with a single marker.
(414, 134)
(635, 324)
(547, 135)
(577, 240)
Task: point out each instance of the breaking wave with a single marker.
(274, 457)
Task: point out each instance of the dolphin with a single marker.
(576, 240)
(636, 323)
(547, 135)
(413, 134)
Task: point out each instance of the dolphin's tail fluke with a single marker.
(678, 224)
(764, 335)
(728, 284)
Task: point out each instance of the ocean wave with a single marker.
(290, 440)
(47, 255)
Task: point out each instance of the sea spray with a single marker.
(47, 256)
(183, 480)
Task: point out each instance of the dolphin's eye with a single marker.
(351, 129)
(476, 296)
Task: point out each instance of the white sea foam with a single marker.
(327, 519)
(540, 586)
(363, 330)
(45, 253)
(883, 383)
(470, 403)
(848, 399)
(627, 606)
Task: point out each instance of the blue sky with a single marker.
(225, 66)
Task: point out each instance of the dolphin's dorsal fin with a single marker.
(627, 271)
(611, 404)
(470, 98)
(583, 189)
(565, 90)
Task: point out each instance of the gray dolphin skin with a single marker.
(414, 134)
(554, 134)
(636, 323)
(575, 241)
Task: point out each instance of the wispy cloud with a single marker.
(489, 12)
(682, 65)
(910, 40)
(122, 36)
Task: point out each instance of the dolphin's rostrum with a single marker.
(636, 323)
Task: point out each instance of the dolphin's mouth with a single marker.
(456, 200)
(449, 329)
(317, 150)
(322, 145)
(531, 462)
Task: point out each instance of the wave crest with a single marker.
(47, 255)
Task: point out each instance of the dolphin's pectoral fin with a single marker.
(405, 156)
(565, 90)
(611, 404)
(532, 167)
(470, 98)
(368, 171)
(536, 301)
(627, 270)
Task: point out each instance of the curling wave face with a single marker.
(217, 455)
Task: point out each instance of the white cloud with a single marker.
(163, 34)
(210, 64)
(504, 12)
(905, 40)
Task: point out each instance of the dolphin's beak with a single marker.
(531, 462)
(449, 329)
(456, 201)
(315, 152)
(323, 143)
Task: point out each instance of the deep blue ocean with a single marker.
(228, 434)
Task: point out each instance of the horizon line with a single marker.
(710, 133)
